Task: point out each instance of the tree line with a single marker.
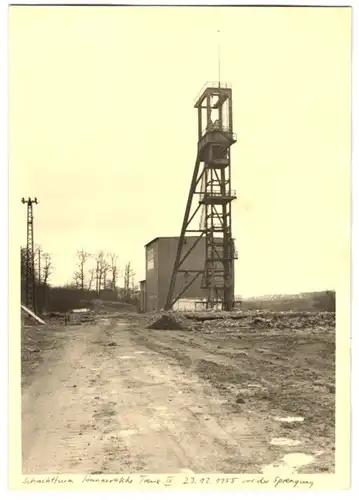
(100, 271)
(43, 266)
(95, 272)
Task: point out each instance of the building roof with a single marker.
(152, 241)
(168, 238)
(162, 238)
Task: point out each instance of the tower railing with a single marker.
(205, 139)
(216, 126)
(216, 194)
(222, 85)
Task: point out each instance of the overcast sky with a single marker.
(103, 131)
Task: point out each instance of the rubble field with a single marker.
(206, 392)
(277, 364)
(214, 320)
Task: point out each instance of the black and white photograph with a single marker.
(179, 179)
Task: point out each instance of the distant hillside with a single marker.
(311, 301)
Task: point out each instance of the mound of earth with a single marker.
(168, 322)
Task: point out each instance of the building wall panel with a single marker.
(195, 261)
(151, 295)
(160, 257)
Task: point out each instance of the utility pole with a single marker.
(30, 261)
(39, 264)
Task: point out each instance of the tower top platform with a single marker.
(213, 89)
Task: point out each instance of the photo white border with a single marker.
(4, 270)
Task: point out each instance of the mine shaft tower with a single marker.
(211, 185)
(30, 255)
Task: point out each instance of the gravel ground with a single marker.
(115, 396)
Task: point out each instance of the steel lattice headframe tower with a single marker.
(30, 255)
(211, 185)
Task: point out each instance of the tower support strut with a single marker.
(211, 193)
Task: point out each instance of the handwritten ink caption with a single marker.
(194, 480)
(170, 480)
(210, 480)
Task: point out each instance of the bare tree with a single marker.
(105, 268)
(114, 271)
(79, 274)
(91, 278)
(97, 271)
(129, 281)
(126, 280)
(42, 264)
(101, 270)
(23, 254)
(23, 269)
(47, 267)
(37, 262)
(76, 281)
(134, 285)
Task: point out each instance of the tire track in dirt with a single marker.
(115, 398)
(287, 385)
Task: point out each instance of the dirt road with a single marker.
(116, 398)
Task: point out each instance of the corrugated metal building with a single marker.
(160, 257)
